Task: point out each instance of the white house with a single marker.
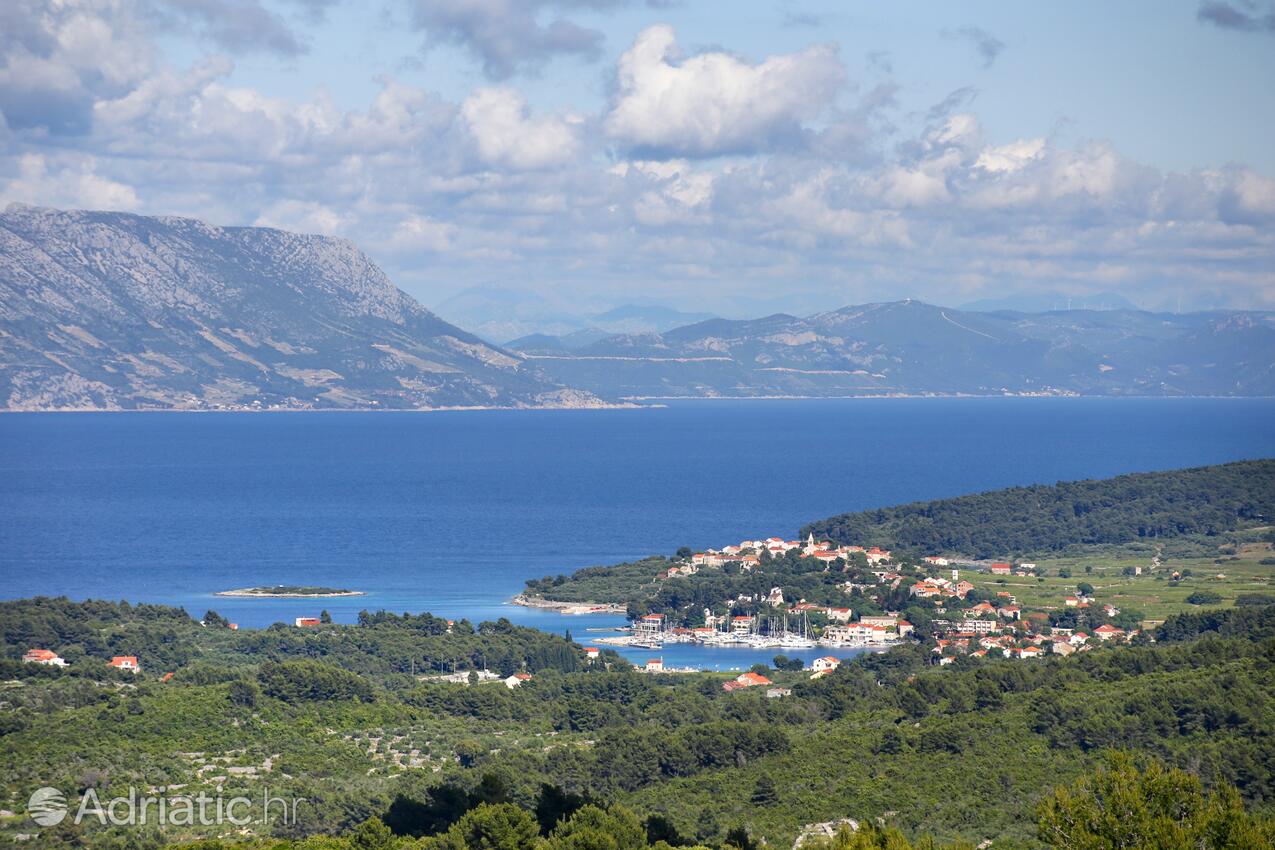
(43, 656)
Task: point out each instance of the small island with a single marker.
(290, 591)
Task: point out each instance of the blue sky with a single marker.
(724, 157)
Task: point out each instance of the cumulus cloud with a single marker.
(984, 43)
(744, 177)
(1243, 15)
(1010, 157)
(56, 60)
(507, 35)
(507, 136)
(714, 103)
(69, 183)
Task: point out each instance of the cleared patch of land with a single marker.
(1155, 593)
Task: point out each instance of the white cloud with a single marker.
(507, 135)
(821, 197)
(715, 103)
(301, 216)
(1010, 157)
(74, 183)
(1255, 192)
(421, 233)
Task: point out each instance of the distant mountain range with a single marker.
(509, 317)
(103, 310)
(913, 348)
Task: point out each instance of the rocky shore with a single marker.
(568, 607)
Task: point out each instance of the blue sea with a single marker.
(450, 512)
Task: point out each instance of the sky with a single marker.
(736, 158)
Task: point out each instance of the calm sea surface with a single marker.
(450, 512)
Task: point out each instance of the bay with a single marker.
(450, 512)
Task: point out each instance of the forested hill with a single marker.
(1049, 518)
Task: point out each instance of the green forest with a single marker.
(1152, 506)
(589, 748)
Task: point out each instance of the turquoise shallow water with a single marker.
(451, 512)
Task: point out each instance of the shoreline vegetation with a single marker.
(289, 592)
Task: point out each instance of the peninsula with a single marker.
(1071, 565)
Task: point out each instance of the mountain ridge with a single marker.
(107, 310)
(913, 348)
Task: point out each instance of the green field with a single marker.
(1153, 594)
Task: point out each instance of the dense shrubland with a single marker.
(1155, 506)
(967, 751)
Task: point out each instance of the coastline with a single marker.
(621, 405)
(252, 593)
(567, 607)
(637, 402)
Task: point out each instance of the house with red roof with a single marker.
(876, 555)
(592, 652)
(517, 679)
(745, 680)
(125, 662)
(1108, 632)
(825, 664)
(926, 589)
(1001, 569)
(43, 656)
(307, 622)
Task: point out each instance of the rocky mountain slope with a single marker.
(103, 310)
(912, 348)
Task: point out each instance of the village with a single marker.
(956, 617)
(959, 618)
